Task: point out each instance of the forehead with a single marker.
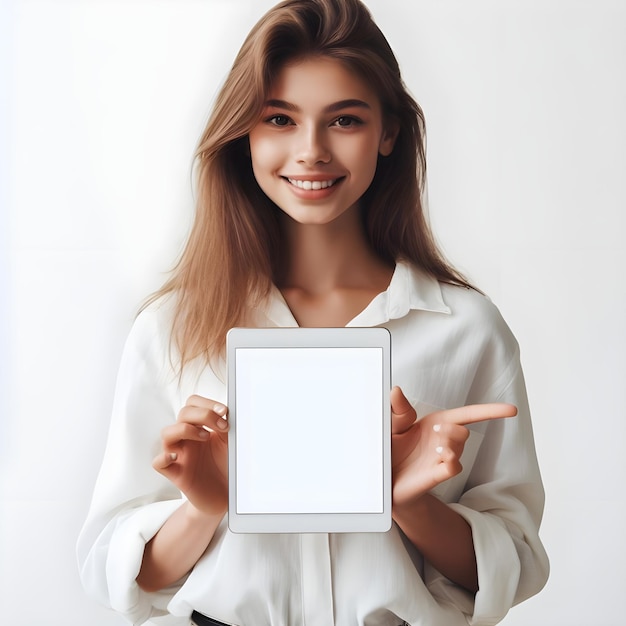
(320, 81)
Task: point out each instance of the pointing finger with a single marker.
(473, 413)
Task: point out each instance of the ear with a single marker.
(388, 138)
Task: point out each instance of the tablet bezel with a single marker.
(281, 338)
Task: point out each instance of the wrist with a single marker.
(412, 511)
(197, 516)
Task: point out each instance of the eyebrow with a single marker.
(331, 108)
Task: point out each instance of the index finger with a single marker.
(207, 403)
(204, 413)
(472, 413)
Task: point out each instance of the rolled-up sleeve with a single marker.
(131, 501)
(502, 502)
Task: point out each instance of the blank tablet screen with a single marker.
(309, 430)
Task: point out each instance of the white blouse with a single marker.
(450, 347)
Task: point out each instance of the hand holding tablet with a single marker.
(194, 454)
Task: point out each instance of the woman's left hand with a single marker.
(425, 453)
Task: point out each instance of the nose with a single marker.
(312, 147)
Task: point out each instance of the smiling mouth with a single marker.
(312, 185)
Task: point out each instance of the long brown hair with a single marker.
(234, 251)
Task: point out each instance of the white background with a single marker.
(102, 103)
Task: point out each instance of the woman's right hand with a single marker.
(195, 454)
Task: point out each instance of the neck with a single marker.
(325, 257)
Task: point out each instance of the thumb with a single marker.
(403, 415)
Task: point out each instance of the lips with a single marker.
(311, 185)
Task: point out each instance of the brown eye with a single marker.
(346, 121)
(279, 120)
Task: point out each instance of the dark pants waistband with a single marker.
(203, 620)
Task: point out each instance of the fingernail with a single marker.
(439, 449)
(437, 427)
(173, 456)
(220, 409)
(222, 424)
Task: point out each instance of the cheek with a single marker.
(263, 154)
(364, 159)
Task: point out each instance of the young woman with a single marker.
(310, 177)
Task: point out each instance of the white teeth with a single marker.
(307, 185)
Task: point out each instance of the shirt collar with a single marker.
(410, 289)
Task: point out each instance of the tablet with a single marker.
(309, 444)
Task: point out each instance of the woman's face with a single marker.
(315, 150)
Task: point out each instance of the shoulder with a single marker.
(471, 306)
(150, 336)
(475, 315)
(484, 334)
